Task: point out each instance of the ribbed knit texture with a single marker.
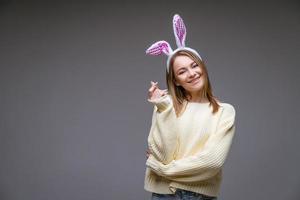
(188, 152)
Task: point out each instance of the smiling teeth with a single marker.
(193, 80)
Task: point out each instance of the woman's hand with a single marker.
(154, 92)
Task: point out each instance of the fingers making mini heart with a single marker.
(153, 87)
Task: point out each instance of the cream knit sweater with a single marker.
(188, 152)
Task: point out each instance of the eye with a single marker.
(181, 72)
(195, 65)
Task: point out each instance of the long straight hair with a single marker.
(179, 94)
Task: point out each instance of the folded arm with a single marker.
(205, 164)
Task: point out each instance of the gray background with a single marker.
(73, 86)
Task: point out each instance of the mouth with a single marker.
(194, 80)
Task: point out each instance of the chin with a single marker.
(194, 89)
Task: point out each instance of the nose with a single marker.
(192, 73)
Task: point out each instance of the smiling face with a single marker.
(188, 74)
(188, 81)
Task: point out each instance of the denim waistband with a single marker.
(186, 192)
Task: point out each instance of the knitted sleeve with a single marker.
(162, 139)
(161, 103)
(208, 161)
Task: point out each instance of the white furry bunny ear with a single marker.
(159, 47)
(179, 30)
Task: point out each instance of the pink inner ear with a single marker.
(180, 30)
(159, 48)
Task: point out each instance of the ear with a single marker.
(159, 47)
(179, 30)
(177, 84)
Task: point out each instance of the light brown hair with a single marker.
(179, 94)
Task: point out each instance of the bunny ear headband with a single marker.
(162, 46)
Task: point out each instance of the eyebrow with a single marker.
(185, 67)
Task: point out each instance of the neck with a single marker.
(197, 97)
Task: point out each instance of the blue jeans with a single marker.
(181, 194)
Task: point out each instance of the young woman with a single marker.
(191, 131)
